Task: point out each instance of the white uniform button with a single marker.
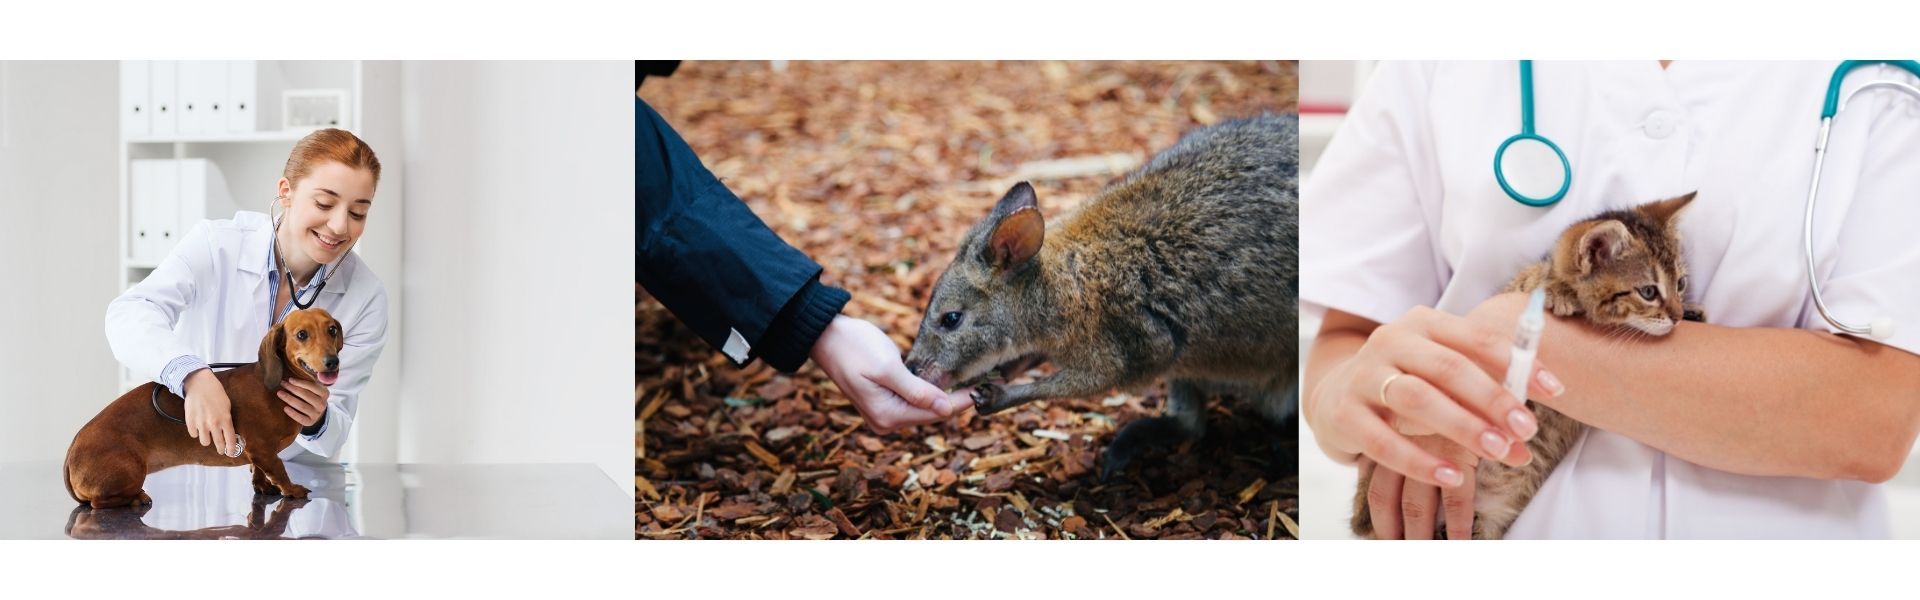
(1660, 124)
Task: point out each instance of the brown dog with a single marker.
(108, 463)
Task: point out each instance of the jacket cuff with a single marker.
(174, 375)
(317, 429)
(790, 337)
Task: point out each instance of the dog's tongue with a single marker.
(327, 377)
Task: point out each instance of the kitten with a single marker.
(1621, 268)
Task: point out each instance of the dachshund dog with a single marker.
(108, 463)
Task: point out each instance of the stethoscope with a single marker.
(1532, 156)
(279, 259)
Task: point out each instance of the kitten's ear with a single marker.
(1664, 211)
(1600, 244)
(1017, 229)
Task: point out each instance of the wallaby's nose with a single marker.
(913, 366)
(333, 362)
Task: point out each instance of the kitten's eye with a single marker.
(950, 320)
(1650, 293)
(1682, 284)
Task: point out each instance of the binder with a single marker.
(165, 86)
(243, 95)
(167, 198)
(136, 92)
(201, 185)
(202, 85)
(153, 188)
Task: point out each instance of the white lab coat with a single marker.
(210, 298)
(1403, 210)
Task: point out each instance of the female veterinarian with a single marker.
(1767, 421)
(225, 284)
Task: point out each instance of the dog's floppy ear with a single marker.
(273, 356)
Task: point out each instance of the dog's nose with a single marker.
(333, 363)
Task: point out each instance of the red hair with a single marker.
(330, 145)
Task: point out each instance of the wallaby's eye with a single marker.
(950, 320)
(1650, 292)
(1682, 284)
(301, 335)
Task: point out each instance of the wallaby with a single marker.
(1188, 268)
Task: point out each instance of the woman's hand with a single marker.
(866, 365)
(1427, 372)
(1402, 509)
(209, 413)
(306, 400)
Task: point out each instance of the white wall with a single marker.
(518, 246)
(59, 186)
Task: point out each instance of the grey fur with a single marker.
(1187, 268)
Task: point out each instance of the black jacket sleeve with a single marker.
(714, 264)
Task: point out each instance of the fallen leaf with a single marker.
(1248, 492)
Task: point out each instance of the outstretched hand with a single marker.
(866, 365)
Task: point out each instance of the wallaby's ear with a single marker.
(1018, 230)
(1602, 243)
(273, 356)
(1665, 210)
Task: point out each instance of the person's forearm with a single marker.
(1756, 401)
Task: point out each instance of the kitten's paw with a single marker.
(1694, 312)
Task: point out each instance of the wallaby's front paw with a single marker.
(293, 491)
(989, 398)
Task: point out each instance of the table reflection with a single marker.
(211, 503)
(378, 500)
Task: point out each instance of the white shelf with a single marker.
(217, 138)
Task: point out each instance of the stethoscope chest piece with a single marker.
(1530, 168)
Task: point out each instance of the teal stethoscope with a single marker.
(1542, 173)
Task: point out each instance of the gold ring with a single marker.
(1383, 388)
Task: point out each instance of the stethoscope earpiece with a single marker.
(1881, 328)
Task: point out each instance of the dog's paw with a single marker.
(294, 491)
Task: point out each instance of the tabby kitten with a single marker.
(1621, 268)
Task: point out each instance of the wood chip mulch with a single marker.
(875, 170)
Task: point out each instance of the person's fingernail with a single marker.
(1522, 423)
(1551, 383)
(1448, 476)
(1495, 444)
